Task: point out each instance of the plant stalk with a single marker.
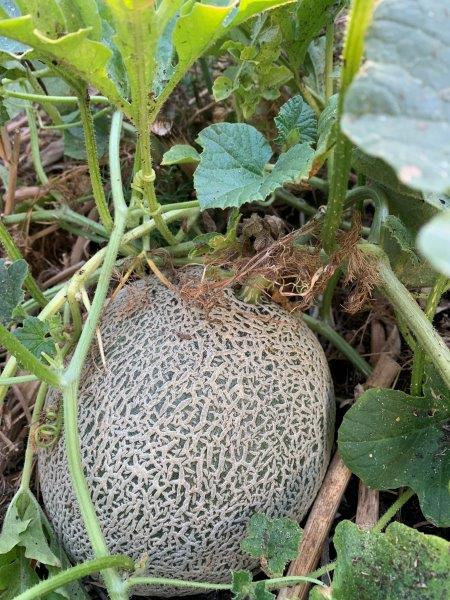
(92, 160)
(426, 336)
(43, 588)
(360, 17)
(433, 299)
(329, 50)
(29, 452)
(71, 377)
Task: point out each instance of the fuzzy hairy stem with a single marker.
(71, 377)
(360, 16)
(43, 588)
(35, 152)
(439, 287)
(43, 98)
(29, 452)
(392, 510)
(271, 584)
(329, 50)
(14, 253)
(17, 380)
(419, 325)
(92, 160)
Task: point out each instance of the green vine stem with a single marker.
(392, 511)
(327, 298)
(26, 358)
(71, 377)
(360, 16)
(14, 253)
(92, 160)
(64, 213)
(17, 380)
(95, 116)
(419, 325)
(338, 342)
(271, 584)
(329, 50)
(35, 151)
(43, 98)
(43, 588)
(29, 452)
(433, 299)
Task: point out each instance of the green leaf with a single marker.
(296, 122)
(390, 439)
(327, 129)
(35, 335)
(261, 592)
(180, 154)
(398, 108)
(23, 528)
(241, 586)
(399, 564)
(75, 53)
(16, 574)
(11, 281)
(201, 25)
(223, 87)
(274, 541)
(398, 241)
(433, 242)
(301, 24)
(232, 166)
(74, 142)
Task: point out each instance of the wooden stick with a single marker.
(367, 513)
(338, 475)
(318, 525)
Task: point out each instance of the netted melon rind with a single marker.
(200, 420)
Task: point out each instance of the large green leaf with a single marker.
(75, 53)
(401, 564)
(232, 166)
(11, 282)
(390, 439)
(398, 108)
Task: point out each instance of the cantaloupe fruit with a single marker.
(199, 420)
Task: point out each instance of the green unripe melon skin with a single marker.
(198, 421)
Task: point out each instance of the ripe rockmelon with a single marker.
(199, 420)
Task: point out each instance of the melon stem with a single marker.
(71, 377)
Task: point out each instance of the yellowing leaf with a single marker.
(75, 53)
